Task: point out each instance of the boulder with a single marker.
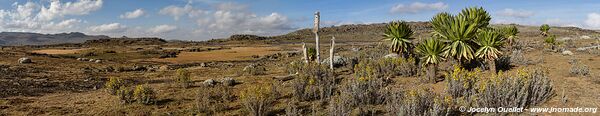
(209, 82)
(228, 81)
(392, 55)
(98, 61)
(567, 52)
(92, 60)
(585, 37)
(337, 61)
(25, 60)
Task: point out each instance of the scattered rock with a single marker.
(585, 37)
(92, 60)
(337, 61)
(25, 60)
(228, 81)
(392, 55)
(209, 82)
(356, 49)
(203, 64)
(567, 52)
(98, 61)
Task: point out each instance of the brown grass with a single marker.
(59, 51)
(233, 54)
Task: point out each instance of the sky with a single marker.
(208, 19)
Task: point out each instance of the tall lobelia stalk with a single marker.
(331, 53)
(304, 52)
(316, 31)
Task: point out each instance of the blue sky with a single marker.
(207, 19)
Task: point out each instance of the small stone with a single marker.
(392, 55)
(209, 82)
(228, 81)
(567, 52)
(25, 60)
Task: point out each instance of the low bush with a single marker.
(385, 68)
(144, 94)
(257, 99)
(419, 102)
(214, 99)
(125, 95)
(517, 57)
(113, 85)
(579, 69)
(364, 91)
(183, 78)
(521, 89)
(314, 81)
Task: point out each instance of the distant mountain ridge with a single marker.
(26, 38)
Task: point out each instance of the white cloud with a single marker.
(417, 7)
(133, 14)
(593, 21)
(59, 10)
(228, 19)
(162, 29)
(70, 23)
(108, 28)
(176, 12)
(515, 13)
(36, 17)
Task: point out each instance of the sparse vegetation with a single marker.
(522, 89)
(366, 85)
(144, 94)
(211, 100)
(579, 69)
(183, 78)
(385, 68)
(257, 100)
(314, 81)
(113, 85)
(125, 95)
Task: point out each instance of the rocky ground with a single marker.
(73, 83)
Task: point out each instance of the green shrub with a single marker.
(214, 99)
(419, 102)
(579, 69)
(385, 68)
(311, 53)
(521, 89)
(183, 78)
(257, 99)
(314, 81)
(144, 94)
(113, 85)
(125, 95)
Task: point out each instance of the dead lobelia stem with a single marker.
(304, 52)
(316, 31)
(331, 52)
